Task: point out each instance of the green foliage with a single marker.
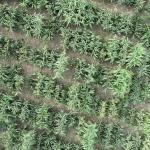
(43, 57)
(46, 86)
(117, 50)
(38, 26)
(28, 140)
(11, 77)
(146, 143)
(108, 130)
(15, 137)
(140, 90)
(10, 17)
(136, 56)
(60, 123)
(33, 25)
(61, 65)
(132, 142)
(146, 126)
(137, 4)
(146, 35)
(9, 137)
(82, 41)
(84, 71)
(22, 51)
(27, 112)
(87, 132)
(80, 96)
(37, 116)
(36, 4)
(43, 116)
(78, 12)
(42, 85)
(110, 134)
(118, 81)
(9, 47)
(148, 10)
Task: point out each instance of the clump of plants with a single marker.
(118, 81)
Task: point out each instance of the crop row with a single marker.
(38, 115)
(83, 71)
(99, 75)
(80, 96)
(136, 4)
(117, 50)
(41, 116)
(87, 13)
(84, 41)
(39, 26)
(14, 137)
(32, 25)
(47, 57)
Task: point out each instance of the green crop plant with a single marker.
(27, 112)
(82, 41)
(132, 142)
(36, 4)
(117, 50)
(10, 137)
(43, 57)
(136, 4)
(105, 19)
(148, 10)
(61, 65)
(107, 136)
(28, 139)
(42, 85)
(136, 56)
(38, 26)
(84, 71)
(146, 125)
(87, 132)
(43, 117)
(10, 17)
(11, 77)
(40, 116)
(140, 90)
(110, 134)
(118, 81)
(146, 143)
(140, 119)
(78, 12)
(80, 96)
(60, 123)
(145, 38)
(15, 137)
(33, 25)
(9, 47)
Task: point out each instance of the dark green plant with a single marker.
(117, 50)
(82, 41)
(11, 77)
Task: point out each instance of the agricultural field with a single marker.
(74, 75)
